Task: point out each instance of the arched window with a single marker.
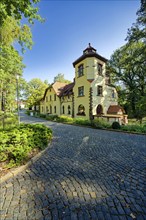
(69, 112)
(63, 110)
(81, 110)
(99, 110)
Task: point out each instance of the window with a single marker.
(69, 112)
(99, 69)
(99, 110)
(50, 97)
(63, 111)
(113, 93)
(54, 97)
(46, 98)
(42, 109)
(81, 91)
(54, 109)
(107, 78)
(46, 109)
(99, 90)
(50, 109)
(80, 70)
(81, 110)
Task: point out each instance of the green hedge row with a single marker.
(96, 123)
(17, 143)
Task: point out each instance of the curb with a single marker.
(18, 170)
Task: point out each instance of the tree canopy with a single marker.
(11, 31)
(19, 9)
(128, 67)
(34, 91)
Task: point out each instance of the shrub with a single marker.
(52, 117)
(42, 116)
(65, 119)
(16, 144)
(134, 128)
(82, 121)
(27, 112)
(100, 123)
(8, 120)
(116, 125)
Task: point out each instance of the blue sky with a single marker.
(69, 27)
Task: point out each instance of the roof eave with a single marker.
(84, 56)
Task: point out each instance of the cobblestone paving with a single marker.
(85, 174)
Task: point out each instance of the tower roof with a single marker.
(89, 52)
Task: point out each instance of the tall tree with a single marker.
(11, 31)
(128, 65)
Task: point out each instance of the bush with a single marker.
(82, 121)
(65, 119)
(8, 120)
(42, 116)
(100, 123)
(134, 128)
(116, 125)
(27, 112)
(52, 117)
(16, 144)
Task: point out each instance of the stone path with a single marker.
(84, 174)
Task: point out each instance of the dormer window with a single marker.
(99, 69)
(81, 70)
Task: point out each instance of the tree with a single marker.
(19, 9)
(34, 92)
(138, 31)
(128, 66)
(60, 78)
(128, 69)
(11, 31)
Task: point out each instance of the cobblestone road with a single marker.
(84, 174)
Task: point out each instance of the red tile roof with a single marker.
(114, 109)
(58, 87)
(67, 90)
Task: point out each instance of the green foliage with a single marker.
(34, 91)
(65, 119)
(100, 123)
(18, 9)
(128, 69)
(13, 31)
(134, 128)
(8, 120)
(127, 66)
(52, 117)
(138, 31)
(15, 144)
(42, 116)
(116, 125)
(82, 121)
